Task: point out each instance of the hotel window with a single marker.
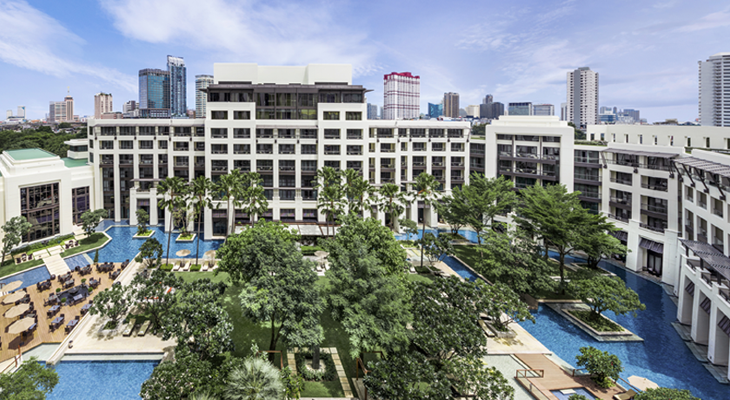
(332, 134)
(242, 115)
(707, 142)
(265, 113)
(307, 133)
(354, 133)
(219, 115)
(331, 115)
(309, 149)
(265, 100)
(162, 144)
(107, 145)
(40, 206)
(286, 114)
(145, 144)
(241, 133)
(353, 116)
(126, 144)
(286, 100)
(307, 99)
(80, 202)
(329, 97)
(219, 133)
(352, 98)
(307, 114)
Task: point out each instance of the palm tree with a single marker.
(253, 195)
(329, 194)
(200, 189)
(202, 396)
(426, 186)
(391, 202)
(256, 379)
(228, 186)
(358, 191)
(174, 190)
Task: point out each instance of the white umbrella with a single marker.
(642, 383)
(11, 299)
(20, 326)
(17, 310)
(11, 286)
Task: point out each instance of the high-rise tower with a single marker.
(582, 97)
(714, 103)
(178, 86)
(451, 105)
(201, 97)
(402, 93)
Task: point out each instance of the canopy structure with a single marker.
(710, 257)
(11, 299)
(17, 310)
(640, 153)
(651, 245)
(11, 286)
(709, 166)
(21, 326)
(620, 235)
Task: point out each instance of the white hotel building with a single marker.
(664, 187)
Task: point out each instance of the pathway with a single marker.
(54, 262)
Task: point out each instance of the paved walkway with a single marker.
(54, 262)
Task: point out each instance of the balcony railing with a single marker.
(621, 218)
(659, 229)
(654, 187)
(621, 200)
(654, 208)
(717, 211)
(588, 177)
(621, 181)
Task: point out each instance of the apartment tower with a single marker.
(402, 93)
(154, 93)
(178, 87)
(714, 101)
(582, 97)
(201, 97)
(451, 105)
(102, 104)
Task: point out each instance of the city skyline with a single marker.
(521, 54)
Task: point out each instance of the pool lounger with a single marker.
(204, 267)
(176, 267)
(143, 329)
(186, 266)
(128, 329)
(625, 396)
(486, 329)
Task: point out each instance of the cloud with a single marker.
(268, 32)
(30, 39)
(709, 21)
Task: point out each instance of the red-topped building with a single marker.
(402, 92)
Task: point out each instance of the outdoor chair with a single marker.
(625, 396)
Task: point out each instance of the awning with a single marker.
(620, 235)
(651, 245)
(724, 324)
(640, 153)
(710, 257)
(690, 288)
(709, 166)
(706, 304)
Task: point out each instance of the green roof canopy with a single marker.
(73, 163)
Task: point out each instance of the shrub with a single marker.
(166, 267)
(310, 250)
(603, 366)
(63, 299)
(58, 290)
(195, 267)
(329, 373)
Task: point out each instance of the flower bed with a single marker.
(329, 373)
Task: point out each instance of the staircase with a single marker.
(54, 262)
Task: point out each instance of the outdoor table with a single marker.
(78, 297)
(71, 324)
(85, 308)
(57, 320)
(53, 310)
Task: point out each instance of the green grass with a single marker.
(468, 254)
(189, 236)
(9, 266)
(146, 233)
(86, 244)
(420, 278)
(598, 323)
(246, 331)
(452, 236)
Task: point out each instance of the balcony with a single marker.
(287, 168)
(654, 228)
(717, 211)
(661, 188)
(621, 218)
(654, 208)
(533, 156)
(702, 204)
(264, 168)
(621, 181)
(457, 164)
(587, 177)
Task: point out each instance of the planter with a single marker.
(150, 233)
(187, 239)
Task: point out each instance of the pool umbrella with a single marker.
(642, 383)
(11, 286)
(11, 299)
(20, 326)
(17, 310)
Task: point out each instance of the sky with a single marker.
(645, 52)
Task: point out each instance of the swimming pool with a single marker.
(581, 391)
(29, 277)
(662, 357)
(463, 271)
(79, 260)
(123, 247)
(94, 380)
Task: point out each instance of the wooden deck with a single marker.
(43, 334)
(556, 378)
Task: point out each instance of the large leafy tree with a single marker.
(603, 366)
(452, 210)
(229, 188)
(368, 300)
(391, 202)
(358, 191)
(483, 199)
(283, 290)
(179, 378)
(13, 231)
(597, 242)
(143, 219)
(448, 347)
(425, 187)
(256, 379)
(330, 194)
(90, 219)
(555, 216)
(200, 189)
(506, 307)
(150, 250)
(32, 381)
(198, 318)
(253, 197)
(513, 258)
(152, 293)
(604, 293)
(249, 253)
(174, 191)
(665, 394)
(435, 247)
(112, 302)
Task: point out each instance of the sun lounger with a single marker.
(186, 266)
(215, 266)
(128, 329)
(485, 328)
(176, 267)
(144, 328)
(625, 396)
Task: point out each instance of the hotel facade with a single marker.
(664, 187)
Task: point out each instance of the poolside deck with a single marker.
(11, 343)
(556, 378)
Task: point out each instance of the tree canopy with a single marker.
(604, 293)
(32, 381)
(151, 251)
(14, 229)
(90, 219)
(603, 366)
(665, 394)
(179, 378)
(42, 138)
(112, 302)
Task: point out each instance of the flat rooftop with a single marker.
(29, 154)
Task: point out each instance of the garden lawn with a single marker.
(9, 267)
(246, 331)
(468, 254)
(86, 244)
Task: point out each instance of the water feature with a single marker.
(581, 391)
(28, 277)
(123, 247)
(92, 380)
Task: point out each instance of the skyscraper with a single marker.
(583, 97)
(488, 99)
(472, 111)
(543, 109)
(21, 112)
(61, 111)
(372, 111)
(563, 111)
(102, 104)
(524, 108)
(178, 87)
(435, 110)
(715, 90)
(402, 93)
(154, 93)
(201, 97)
(451, 105)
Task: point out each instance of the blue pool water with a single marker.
(466, 233)
(94, 380)
(581, 391)
(79, 260)
(662, 357)
(460, 268)
(123, 247)
(29, 277)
